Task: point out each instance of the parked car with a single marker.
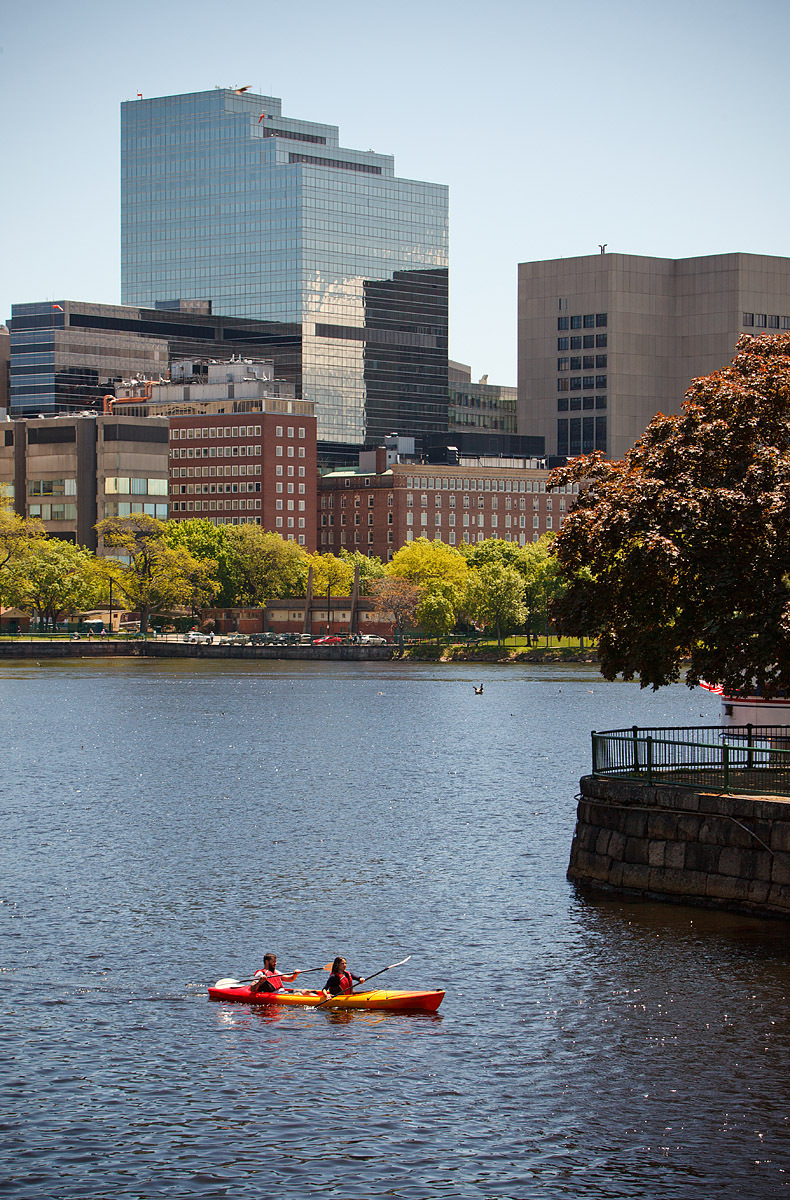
(372, 639)
(195, 638)
(331, 639)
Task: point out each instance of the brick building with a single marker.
(380, 506)
(240, 452)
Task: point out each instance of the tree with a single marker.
(269, 567)
(17, 536)
(437, 610)
(214, 543)
(396, 600)
(157, 576)
(332, 576)
(53, 578)
(371, 569)
(426, 563)
(495, 598)
(680, 552)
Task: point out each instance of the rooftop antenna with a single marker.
(603, 246)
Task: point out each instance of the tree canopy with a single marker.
(680, 553)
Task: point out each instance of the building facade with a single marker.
(71, 472)
(240, 452)
(223, 198)
(606, 341)
(482, 406)
(67, 356)
(379, 509)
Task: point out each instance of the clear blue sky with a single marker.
(657, 128)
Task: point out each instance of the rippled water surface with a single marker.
(164, 823)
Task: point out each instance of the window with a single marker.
(589, 320)
(588, 341)
(760, 320)
(588, 362)
(562, 436)
(576, 343)
(279, 451)
(290, 430)
(562, 322)
(600, 360)
(600, 401)
(748, 318)
(562, 343)
(278, 432)
(600, 341)
(601, 320)
(576, 323)
(563, 364)
(301, 431)
(600, 381)
(576, 364)
(562, 385)
(773, 322)
(576, 384)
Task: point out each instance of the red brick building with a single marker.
(378, 511)
(240, 453)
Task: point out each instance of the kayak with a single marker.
(371, 1001)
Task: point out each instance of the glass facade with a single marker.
(225, 199)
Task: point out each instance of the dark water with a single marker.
(163, 824)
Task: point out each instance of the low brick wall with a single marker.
(154, 648)
(669, 843)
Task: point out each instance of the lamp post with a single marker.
(111, 606)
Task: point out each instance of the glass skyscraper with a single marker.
(225, 199)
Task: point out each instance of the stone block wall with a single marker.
(670, 843)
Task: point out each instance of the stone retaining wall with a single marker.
(162, 649)
(669, 843)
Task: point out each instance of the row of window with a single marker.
(575, 403)
(196, 489)
(587, 362)
(589, 341)
(214, 505)
(482, 485)
(578, 383)
(492, 522)
(218, 431)
(124, 509)
(766, 321)
(219, 451)
(585, 321)
(580, 435)
(52, 487)
(124, 485)
(548, 502)
(53, 512)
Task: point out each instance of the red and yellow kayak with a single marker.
(375, 1001)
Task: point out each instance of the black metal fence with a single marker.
(742, 758)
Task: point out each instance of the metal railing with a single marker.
(743, 758)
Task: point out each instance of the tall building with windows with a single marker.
(223, 198)
(606, 341)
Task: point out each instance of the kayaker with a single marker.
(267, 979)
(341, 981)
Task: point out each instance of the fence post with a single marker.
(594, 752)
(635, 731)
(749, 743)
(649, 761)
(726, 749)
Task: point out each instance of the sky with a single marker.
(659, 129)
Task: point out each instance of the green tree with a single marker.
(371, 569)
(212, 544)
(426, 563)
(331, 575)
(18, 535)
(53, 578)
(679, 553)
(495, 598)
(437, 610)
(154, 576)
(269, 566)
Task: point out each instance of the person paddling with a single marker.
(341, 981)
(267, 979)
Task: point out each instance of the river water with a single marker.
(164, 823)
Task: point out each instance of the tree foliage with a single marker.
(495, 598)
(53, 578)
(331, 575)
(396, 600)
(370, 567)
(217, 544)
(681, 551)
(268, 566)
(155, 575)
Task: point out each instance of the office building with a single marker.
(382, 504)
(66, 356)
(481, 406)
(223, 198)
(71, 472)
(241, 452)
(606, 341)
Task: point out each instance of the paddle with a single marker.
(367, 980)
(239, 982)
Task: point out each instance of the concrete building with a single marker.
(383, 504)
(242, 449)
(5, 370)
(605, 341)
(482, 406)
(71, 472)
(67, 356)
(225, 198)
